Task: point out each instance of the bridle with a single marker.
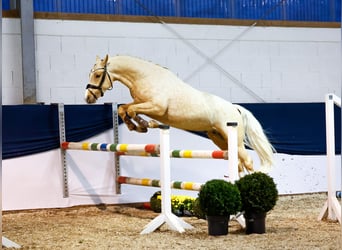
(103, 78)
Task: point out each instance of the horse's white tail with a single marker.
(256, 139)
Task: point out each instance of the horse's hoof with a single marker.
(131, 127)
(141, 129)
(241, 174)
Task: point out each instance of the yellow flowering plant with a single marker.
(181, 205)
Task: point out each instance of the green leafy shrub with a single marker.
(258, 192)
(219, 197)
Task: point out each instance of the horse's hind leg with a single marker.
(245, 161)
(222, 143)
(218, 139)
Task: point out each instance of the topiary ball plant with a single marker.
(258, 192)
(219, 198)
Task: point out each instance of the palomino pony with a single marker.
(162, 96)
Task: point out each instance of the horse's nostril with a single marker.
(87, 97)
(90, 99)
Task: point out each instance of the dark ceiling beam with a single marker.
(28, 51)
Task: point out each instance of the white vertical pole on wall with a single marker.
(28, 51)
(166, 215)
(341, 110)
(5, 242)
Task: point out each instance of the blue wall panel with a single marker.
(30, 129)
(5, 4)
(147, 7)
(292, 10)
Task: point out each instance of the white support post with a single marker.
(331, 209)
(9, 244)
(233, 173)
(166, 215)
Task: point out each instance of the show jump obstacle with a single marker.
(163, 151)
(331, 208)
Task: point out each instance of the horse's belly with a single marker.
(186, 121)
(195, 110)
(188, 124)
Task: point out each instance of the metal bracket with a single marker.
(62, 138)
(116, 141)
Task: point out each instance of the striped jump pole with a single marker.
(153, 149)
(189, 154)
(148, 150)
(185, 185)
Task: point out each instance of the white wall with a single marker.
(277, 64)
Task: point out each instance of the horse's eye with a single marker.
(97, 76)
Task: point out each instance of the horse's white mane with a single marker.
(125, 55)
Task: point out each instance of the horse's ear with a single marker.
(98, 58)
(105, 60)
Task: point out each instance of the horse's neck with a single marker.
(130, 70)
(125, 69)
(126, 64)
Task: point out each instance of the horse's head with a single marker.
(99, 80)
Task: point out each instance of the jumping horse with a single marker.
(161, 95)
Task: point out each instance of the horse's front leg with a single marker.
(143, 124)
(146, 108)
(146, 124)
(122, 111)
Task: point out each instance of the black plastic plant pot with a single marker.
(255, 223)
(218, 225)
